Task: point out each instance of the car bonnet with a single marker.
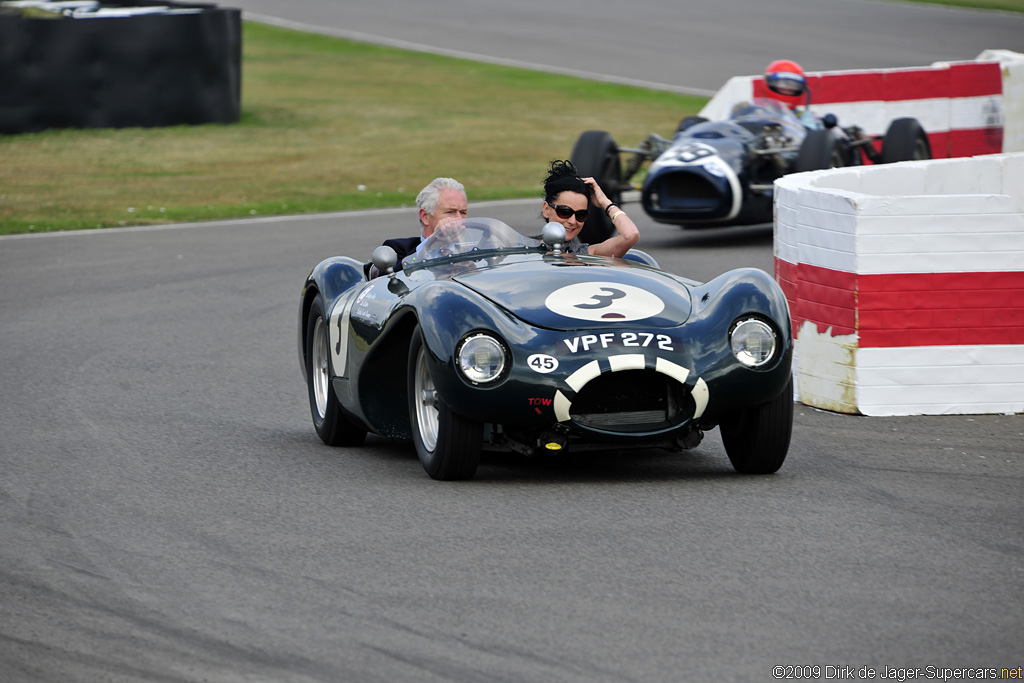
(583, 293)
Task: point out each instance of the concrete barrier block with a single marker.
(1013, 178)
(837, 240)
(834, 224)
(786, 214)
(912, 304)
(958, 176)
(827, 258)
(961, 206)
(948, 227)
(871, 116)
(938, 263)
(787, 196)
(847, 179)
(835, 202)
(826, 369)
(1013, 105)
(967, 112)
(911, 245)
(894, 180)
(933, 114)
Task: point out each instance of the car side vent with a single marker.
(632, 401)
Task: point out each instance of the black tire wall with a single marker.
(114, 72)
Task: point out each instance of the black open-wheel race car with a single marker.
(714, 173)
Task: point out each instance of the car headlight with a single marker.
(752, 342)
(481, 358)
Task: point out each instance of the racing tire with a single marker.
(595, 155)
(689, 122)
(447, 444)
(905, 140)
(757, 439)
(820, 149)
(332, 425)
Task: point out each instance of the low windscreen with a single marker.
(470, 236)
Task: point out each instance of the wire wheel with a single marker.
(425, 397)
(447, 444)
(320, 367)
(333, 426)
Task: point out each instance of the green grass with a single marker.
(327, 125)
(330, 125)
(1004, 5)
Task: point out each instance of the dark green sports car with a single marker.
(489, 339)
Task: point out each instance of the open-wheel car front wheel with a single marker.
(819, 150)
(332, 425)
(595, 155)
(757, 439)
(448, 445)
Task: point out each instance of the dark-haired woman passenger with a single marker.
(567, 199)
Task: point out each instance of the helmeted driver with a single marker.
(787, 83)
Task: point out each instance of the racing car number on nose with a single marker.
(604, 302)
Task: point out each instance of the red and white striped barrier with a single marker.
(966, 108)
(906, 285)
(906, 281)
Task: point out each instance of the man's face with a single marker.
(453, 205)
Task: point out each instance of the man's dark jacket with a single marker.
(403, 246)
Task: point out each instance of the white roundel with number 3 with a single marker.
(604, 302)
(542, 363)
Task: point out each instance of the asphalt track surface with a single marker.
(691, 46)
(167, 512)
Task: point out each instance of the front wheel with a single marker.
(905, 140)
(820, 149)
(596, 156)
(332, 425)
(447, 444)
(757, 439)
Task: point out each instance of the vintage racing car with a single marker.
(488, 339)
(714, 173)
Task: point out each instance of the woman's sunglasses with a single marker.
(565, 212)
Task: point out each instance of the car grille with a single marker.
(632, 401)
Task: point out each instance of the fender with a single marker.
(717, 305)
(330, 278)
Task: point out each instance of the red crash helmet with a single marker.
(786, 80)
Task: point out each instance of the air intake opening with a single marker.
(632, 401)
(686, 190)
